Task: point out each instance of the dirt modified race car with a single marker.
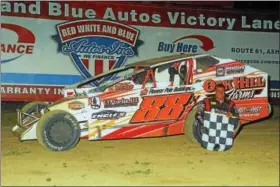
(151, 98)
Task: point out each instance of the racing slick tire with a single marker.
(58, 130)
(191, 128)
(31, 108)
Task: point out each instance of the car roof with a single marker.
(154, 62)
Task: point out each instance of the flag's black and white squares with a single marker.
(218, 132)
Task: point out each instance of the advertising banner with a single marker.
(48, 45)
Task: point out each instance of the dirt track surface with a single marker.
(254, 161)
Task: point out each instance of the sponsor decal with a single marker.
(123, 102)
(125, 86)
(144, 91)
(108, 114)
(97, 46)
(250, 111)
(220, 71)
(94, 102)
(179, 46)
(218, 111)
(254, 109)
(75, 93)
(81, 94)
(179, 89)
(239, 87)
(224, 71)
(70, 93)
(23, 43)
(76, 105)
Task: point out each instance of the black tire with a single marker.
(31, 108)
(58, 130)
(191, 128)
(197, 132)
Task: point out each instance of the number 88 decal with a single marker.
(156, 108)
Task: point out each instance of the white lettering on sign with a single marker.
(55, 9)
(15, 7)
(131, 15)
(174, 17)
(88, 28)
(275, 93)
(30, 90)
(259, 24)
(15, 48)
(149, 16)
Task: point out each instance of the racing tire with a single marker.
(58, 130)
(31, 108)
(191, 129)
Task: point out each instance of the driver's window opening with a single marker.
(150, 75)
(179, 71)
(139, 78)
(205, 62)
(176, 74)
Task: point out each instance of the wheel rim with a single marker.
(60, 132)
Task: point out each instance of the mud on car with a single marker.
(151, 98)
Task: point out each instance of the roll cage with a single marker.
(183, 65)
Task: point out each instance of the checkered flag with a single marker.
(218, 131)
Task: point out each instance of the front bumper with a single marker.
(25, 129)
(25, 120)
(25, 134)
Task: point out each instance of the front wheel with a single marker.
(58, 130)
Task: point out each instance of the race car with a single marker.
(151, 98)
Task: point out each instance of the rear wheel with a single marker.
(192, 128)
(58, 130)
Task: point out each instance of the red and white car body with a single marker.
(153, 98)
